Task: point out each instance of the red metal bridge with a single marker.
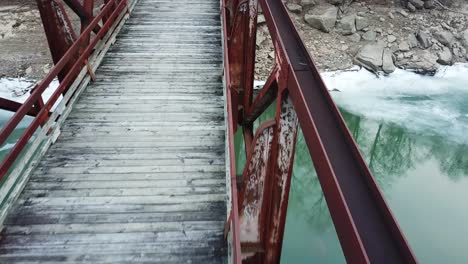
(136, 161)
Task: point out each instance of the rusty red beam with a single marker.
(263, 100)
(37, 93)
(366, 228)
(231, 126)
(59, 31)
(83, 11)
(13, 106)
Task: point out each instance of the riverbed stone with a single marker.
(370, 56)
(347, 25)
(424, 39)
(464, 38)
(361, 22)
(412, 40)
(422, 61)
(429, 4)
(419, 4)
(355, 37)
(387, 61)
(445, 57)
(322, 17)
(369, 36)
(445, 37)
(308, 3)
(404, 46)
(295, 8)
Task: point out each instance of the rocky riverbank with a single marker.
(378, 35)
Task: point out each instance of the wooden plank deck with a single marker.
(138, 172)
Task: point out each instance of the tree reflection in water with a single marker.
(392, 152)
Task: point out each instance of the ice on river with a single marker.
(433, 105)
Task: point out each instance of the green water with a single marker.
(423, 177)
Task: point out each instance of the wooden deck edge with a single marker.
(229, 239)
(19, 176)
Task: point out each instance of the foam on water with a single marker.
(433, 105)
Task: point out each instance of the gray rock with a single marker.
(424, 39)
(295, 8)
(429, 4)
(322, 17)
(411, 7)
(347, 25)
(29, 70)
(355, 37)
(419, 4)
(307, 3)
(445, 57)
(387, 62)
(361, 22)
(391, 38)
(369, 36)
(403, 13)
(404, 46)
(335, 2)
(423, 61)
(412, 41)
(370, 56)
(445, 37)
(464, 38)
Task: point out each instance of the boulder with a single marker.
(464, 38)
(391, 38)
(411, 7)
(307, 3)
(370, 56)
(403, 13)
(419, 4)
(412, 40)
(424, 39)
(387, 61)
(347, 25)
(355, 37)
(445, 37)
(445, 57)
(322, 17)
(369, 36)
(422, 61)
(295, 8)
(429, 4)
(404, 46)
(336, 2)
(361, 22)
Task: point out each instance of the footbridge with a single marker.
(132, 158)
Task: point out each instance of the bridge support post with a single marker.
(59, 31)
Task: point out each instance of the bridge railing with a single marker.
(366, 227)
(74, 70)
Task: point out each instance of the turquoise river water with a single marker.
(413, 132)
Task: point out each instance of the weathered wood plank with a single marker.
(138, 172)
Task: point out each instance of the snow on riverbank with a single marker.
(18, 90)
(434, 105)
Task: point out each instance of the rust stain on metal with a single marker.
(251, 198)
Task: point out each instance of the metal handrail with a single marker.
(234, 214)
(36, 94)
